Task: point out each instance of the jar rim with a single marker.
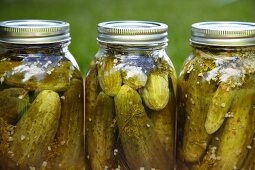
(223, 33)
(34, 31)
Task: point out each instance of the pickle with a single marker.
(139, 140)
(101, 133)
(13, 102)
(91, 91)
(69, 134)
(91, 88)
(249, 162)
(238, 132)
(218, 108)
(35, 130)
(197, 94)
(182, 87)
(31, 77)
(156, 92)
(195, 138)
(164, 124)
(109, 77)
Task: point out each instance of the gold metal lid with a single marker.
(132, 33)
(34, 31)
(223, 33)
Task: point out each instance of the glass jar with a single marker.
(216, 87)
(130, 99)
(41, 97)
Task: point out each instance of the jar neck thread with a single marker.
(219, 51)
(35, 48)
(222, 48)
(114, 47)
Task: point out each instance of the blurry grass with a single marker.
(84, 15)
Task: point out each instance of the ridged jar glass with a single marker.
(41, 97)
(130, 99)
(216, 87)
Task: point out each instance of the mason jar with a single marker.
(41, 97)
(130, 99)
(216, 87)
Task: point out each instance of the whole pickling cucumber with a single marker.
(69, 135)
(156, 92)
(91, 91)
(36, 130)
(139, 140)
(219, 107)
(101, 133)
(196, 94)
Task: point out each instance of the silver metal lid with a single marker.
(132, 33)
(223, 33)
(34, 31)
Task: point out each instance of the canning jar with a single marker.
(130, 98)
(216, 102)
(41, 97)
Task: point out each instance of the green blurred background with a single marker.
(84, 15)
